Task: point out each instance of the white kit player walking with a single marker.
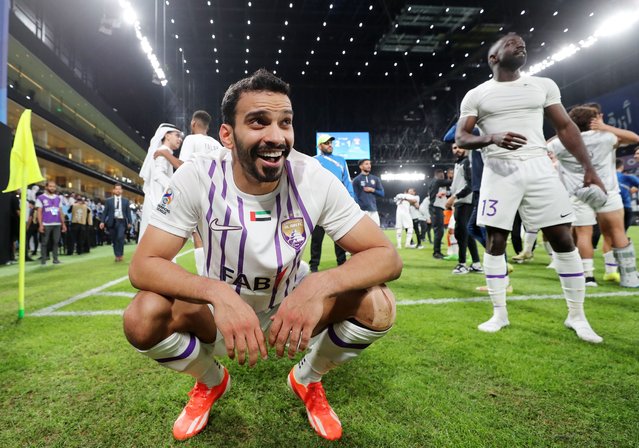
(258, 202)
(518, 175)
(602, 141)
(403, 218)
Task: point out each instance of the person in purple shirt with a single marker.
(51, 219)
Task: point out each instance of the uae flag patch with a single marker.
(262, 215)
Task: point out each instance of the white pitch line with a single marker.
(83, 295)
(528, 297)
(116, 294)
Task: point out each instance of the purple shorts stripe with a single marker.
(337, 341)
(576, 274)
(183, 355)
(612, 264)
(495, 276)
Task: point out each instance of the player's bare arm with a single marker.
(569, 135)
(168, 155)
(465, 138)
(374, 261)
(152, 270)
(624, 136)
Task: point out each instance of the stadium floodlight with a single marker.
(131, 17)
(403, 176)
(615, 24)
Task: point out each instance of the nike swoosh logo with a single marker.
(564, 215)
(221, 227)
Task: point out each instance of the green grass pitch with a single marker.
(435, 381)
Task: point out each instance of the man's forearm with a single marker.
(571, 139)
(169, 279)
(467, 140)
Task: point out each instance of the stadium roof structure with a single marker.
(360, 47)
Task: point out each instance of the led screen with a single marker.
(350, 145)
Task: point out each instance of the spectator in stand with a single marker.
(366, 186)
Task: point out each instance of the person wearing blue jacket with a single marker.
(366, 187)
(336, 165)
(626, 183)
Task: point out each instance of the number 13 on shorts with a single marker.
(489, 207)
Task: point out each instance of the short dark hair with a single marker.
(582, 116)
(260, 81)
(619, 163)
(117, 184)
(595, 106)
(202, 116)
(362, 161)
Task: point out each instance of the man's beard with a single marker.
(248, 159)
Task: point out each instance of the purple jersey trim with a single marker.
(209, 213)
(185, 354)
(227, 218)
(278, 248)
(293, 186)
(240, 262)
(337, 341)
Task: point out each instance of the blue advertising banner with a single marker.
(621, 107)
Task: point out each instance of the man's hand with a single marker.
(509, 140)
(597, 124)
(591, 177)
(240, 328)
(101, 226)
(41, 228)
(161, 153)
(64, 228)
(369, 189)
(297, 317)
(450, 202)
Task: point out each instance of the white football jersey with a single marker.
(198, 144)
(601, 149)
(255, 243)
(515, 106)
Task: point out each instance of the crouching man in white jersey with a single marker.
(256, 204)
(518, 175)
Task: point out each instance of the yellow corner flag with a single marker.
(23, 170)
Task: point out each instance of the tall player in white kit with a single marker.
(518, 175)
(258, 202)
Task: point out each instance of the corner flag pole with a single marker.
(23, 170)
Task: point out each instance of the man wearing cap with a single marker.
(366, 186)
(337, 166)
(157, 171)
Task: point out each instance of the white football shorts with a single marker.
(531, 186)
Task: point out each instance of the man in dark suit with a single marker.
(117, 218)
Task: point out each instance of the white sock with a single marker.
(610, 262)
(570, 270)
(496, 272)
(398, 233)
(409, 236)
(200, 260)
(627, 265)
(548, 248)
(589, 266)
(529, 240)
(183, 352)
(337, 344)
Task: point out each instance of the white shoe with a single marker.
(551, 265)
(584, 330)
(493, 325)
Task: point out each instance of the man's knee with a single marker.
(378, 309)
(146, 319)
